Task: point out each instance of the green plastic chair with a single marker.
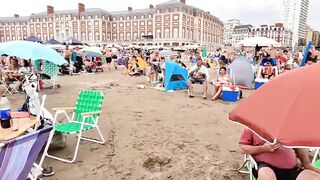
(85, 117)
(51, 70)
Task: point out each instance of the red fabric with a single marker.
(285, 108)
(281, 59)
(283, 158)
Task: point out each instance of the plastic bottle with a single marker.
(5, 112)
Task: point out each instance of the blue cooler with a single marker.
(230, 95)
(259, 82)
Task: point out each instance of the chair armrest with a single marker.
(63, 108)
(90, 113)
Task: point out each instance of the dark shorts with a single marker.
(283, 174)
(109, 60)
(199, 81)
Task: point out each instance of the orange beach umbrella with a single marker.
(286, 109)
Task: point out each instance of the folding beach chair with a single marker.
(11, 87)
(275, 68)
(248, 165)
(51, 70)
(17, 156)
(84, 118)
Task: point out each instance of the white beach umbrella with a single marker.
(258, 40)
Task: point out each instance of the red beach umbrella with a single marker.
(286, 109)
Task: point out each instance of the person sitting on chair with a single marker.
(268, 65)
(275, 161)
(223, 79)
(198, 74)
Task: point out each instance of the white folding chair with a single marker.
(248, 165)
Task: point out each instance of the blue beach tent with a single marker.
(176, 77)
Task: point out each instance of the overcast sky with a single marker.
(248, 11)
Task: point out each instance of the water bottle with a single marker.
(5, 112)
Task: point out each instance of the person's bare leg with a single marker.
(205, 87)
(266, 173)
(308, 175)
(217, 93)
(190, 85)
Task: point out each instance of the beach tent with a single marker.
(33, 38)
(176, 77)
(52, 41)
(242, 71)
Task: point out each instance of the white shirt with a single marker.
(203, 69)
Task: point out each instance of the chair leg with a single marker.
(45, 153)
(74, 155)
(102, 141)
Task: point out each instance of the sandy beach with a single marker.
(149, 134)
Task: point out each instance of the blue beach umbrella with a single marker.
(31, 50)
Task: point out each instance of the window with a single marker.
(175, 33)
(135, 23)
(175, 17)
(142, 17)
(114, 25)
(128, 36)
(114, 18)
(135, 35)
(150, 16)
(44, 19)
(74, 17)
(167, 33)
(44, 25)
(158, 33)
(128, 17)
(89, 17)
(89, 23)
(96, 16)
(142, 23)
(121, 24)
(121, 36)
(141, 35)
(96, 23)
(121, 18)
(67, 24)
(149, 22)
(128, 24)
(38, 25)
(134, 17)
(82, 17)
(97, 36)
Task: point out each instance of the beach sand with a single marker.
(149, 134)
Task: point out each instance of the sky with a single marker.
(253, 12)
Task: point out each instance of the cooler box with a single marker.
(259, 82)
(230, 94)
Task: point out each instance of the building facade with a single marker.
(295, 17)
(277, 32)
(240, 33)
(315, 38)
(228, 30)
(173, 23)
